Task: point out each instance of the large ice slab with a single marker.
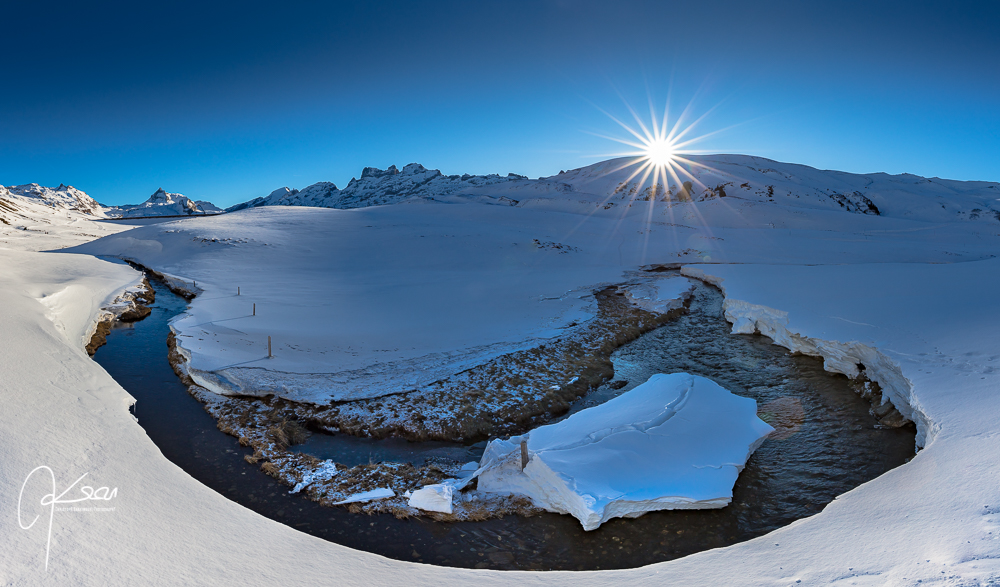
(675, 442)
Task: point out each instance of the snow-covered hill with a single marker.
(163, 203)
(787, 184)
(377, 187)
(613, 183)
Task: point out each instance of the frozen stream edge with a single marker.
(746, 319)
(838, 357)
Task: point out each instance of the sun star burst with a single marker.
(663, 172)
(659, 149)
(659, 152)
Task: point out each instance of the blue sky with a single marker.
(227, 102)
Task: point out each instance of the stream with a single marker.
(827, 444)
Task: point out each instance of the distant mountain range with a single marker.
(610, 183)
(377, 187)
(614, 183)
(163, 203)
(34, 203)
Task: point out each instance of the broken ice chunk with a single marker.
(324, 472)
(380, 493)
(675, 442)
(658, 295)
(433, 498)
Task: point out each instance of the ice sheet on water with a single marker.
(675, 442)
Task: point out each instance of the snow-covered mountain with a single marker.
(377, 187)
(31, 198)
(612, 183)
(163, 203)
(34, 217)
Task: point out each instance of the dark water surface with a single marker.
(830, 446)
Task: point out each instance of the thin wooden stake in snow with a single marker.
(524, 454)
(237, 290)
(269, 355)
(255, 308)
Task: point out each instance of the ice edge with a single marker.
(838, 357)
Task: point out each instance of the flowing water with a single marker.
(826, 444)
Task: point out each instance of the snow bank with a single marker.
(845, 357)
(675, 442)
(934, 519)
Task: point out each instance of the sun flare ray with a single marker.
(662, 168)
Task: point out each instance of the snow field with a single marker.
(916, 285)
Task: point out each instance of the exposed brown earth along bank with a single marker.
(271, 426)
(100, 337)
(135, 304)
(819, 420)
(507, 395)
(882, 409)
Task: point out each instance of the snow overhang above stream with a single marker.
(675, 442)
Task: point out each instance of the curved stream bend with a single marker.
(826, 444)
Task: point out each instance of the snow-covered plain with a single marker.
(675, 442)
(910, 293)
(364, 302)
(372, 301)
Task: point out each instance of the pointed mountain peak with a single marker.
(414, 168)
(282, 191)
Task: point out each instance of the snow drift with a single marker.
(675, 442)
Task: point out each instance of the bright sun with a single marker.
(660, 149)
(659, 152)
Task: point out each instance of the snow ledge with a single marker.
(838, 357)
